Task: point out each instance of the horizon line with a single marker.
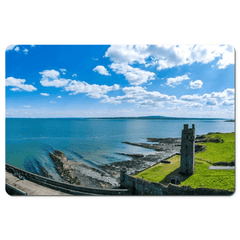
(157, 116)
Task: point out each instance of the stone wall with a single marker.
(13, 191)
(142, 187)
(134, 186)
(63, 187)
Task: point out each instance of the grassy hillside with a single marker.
(222, 151)
(219, 152)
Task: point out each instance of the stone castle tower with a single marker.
(187, 150)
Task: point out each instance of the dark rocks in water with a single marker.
(153, 139)
(139, 163)
(132, 155)
(45, 173)
(64, 167)
(155, 147)
(81, 173)
(163, 140)
(59, 153)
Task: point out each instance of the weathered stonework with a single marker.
(187, 150)
(139, 186)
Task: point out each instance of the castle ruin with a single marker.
(187, 150)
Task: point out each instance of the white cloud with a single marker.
(45, 94)
(224, 98)
(93, 91)
(15, 89)
(53, 74)
(227, 57)
(226, 94)
(227, 102)
(59, 97)
(141, 97)
(63, 70)
(154, 99)
(168, 56)
(135, 76)
(10, 47)
(52, 102)
(61, 82)
(211, 102)
(112, 100)
(172, 82)
(74, 75)
(19, 84)
(193, 105)
(150, 104)
(194, 97)
(101, 70)
(17, 49)
(203, 53)
(196, 84)
(50, 79)
(25, 51)
(127, 53)
(26, 106)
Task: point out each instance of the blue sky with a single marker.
(120, 80)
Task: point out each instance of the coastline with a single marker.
(108, 175)
(164, 148)
(80, 173)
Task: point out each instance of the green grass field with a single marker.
(219, 152)
(158, 172)
(202, 177)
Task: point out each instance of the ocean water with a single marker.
(95, 141)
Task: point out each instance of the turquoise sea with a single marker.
(95, 141)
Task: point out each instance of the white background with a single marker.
(118, 22)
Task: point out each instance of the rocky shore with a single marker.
(107, 176)
(164, 148)
(80, 173)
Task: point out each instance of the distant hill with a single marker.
(143, 117)
(159, 117)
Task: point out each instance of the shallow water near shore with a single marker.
(93, 141)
